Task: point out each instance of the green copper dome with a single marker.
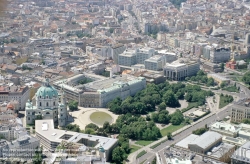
(46, 90)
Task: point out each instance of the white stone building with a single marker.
(47, 106)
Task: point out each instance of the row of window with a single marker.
(47, 104)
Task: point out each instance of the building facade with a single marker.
(95, 97)
(155, 63)
(116, 50)
(128, 58)
(47, 106)
(144, 53)
(179, 70)
(240, 112)
(15, 93)
(219, 55)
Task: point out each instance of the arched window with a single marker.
(40, 103)
(47, 104)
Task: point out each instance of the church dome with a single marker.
(46, 91)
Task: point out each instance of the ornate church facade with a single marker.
(48, 105)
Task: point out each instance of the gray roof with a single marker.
(184, 143)
(206, 139)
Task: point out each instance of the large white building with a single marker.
(100, 93)
(155, 63)
(144, 53)
(47, 106)
(180, 69)
(50, 138)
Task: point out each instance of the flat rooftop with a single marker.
(184, 143)
(108, 83)
(46, 129)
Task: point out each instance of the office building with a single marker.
(127, 58)
(50, 138)
(169, 56)
(180, 69)
(47, 106)
(155, 63)
(143, 53)
(220, 55)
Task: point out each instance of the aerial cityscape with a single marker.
(125, 81)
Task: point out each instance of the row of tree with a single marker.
(246, 78)
(163, 117)
(161, 95)
(201, 77)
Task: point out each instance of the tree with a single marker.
(162, 106)
(118, 155)
(90, 131)
(73, 127)
(37, 159)
(223, 84)
(106, 126)
(170, 99)
(13, 40)
(177, 118)
(92, 126)
(169, 135)
(200, 131)
(73, 105)
(210, 82)
(222, 66)
(111, 30)
(246, 78)
(246, 121)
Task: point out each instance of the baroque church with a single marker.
(48, 104)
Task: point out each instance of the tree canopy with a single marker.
(73, 105)
(246, 78)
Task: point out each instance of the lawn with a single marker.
(171, 129)
(133, 148)
(231, 89)
(143, 143)
(223, 101)
(141, 154)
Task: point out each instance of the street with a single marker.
(207, 120)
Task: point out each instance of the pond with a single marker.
(99, 118)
